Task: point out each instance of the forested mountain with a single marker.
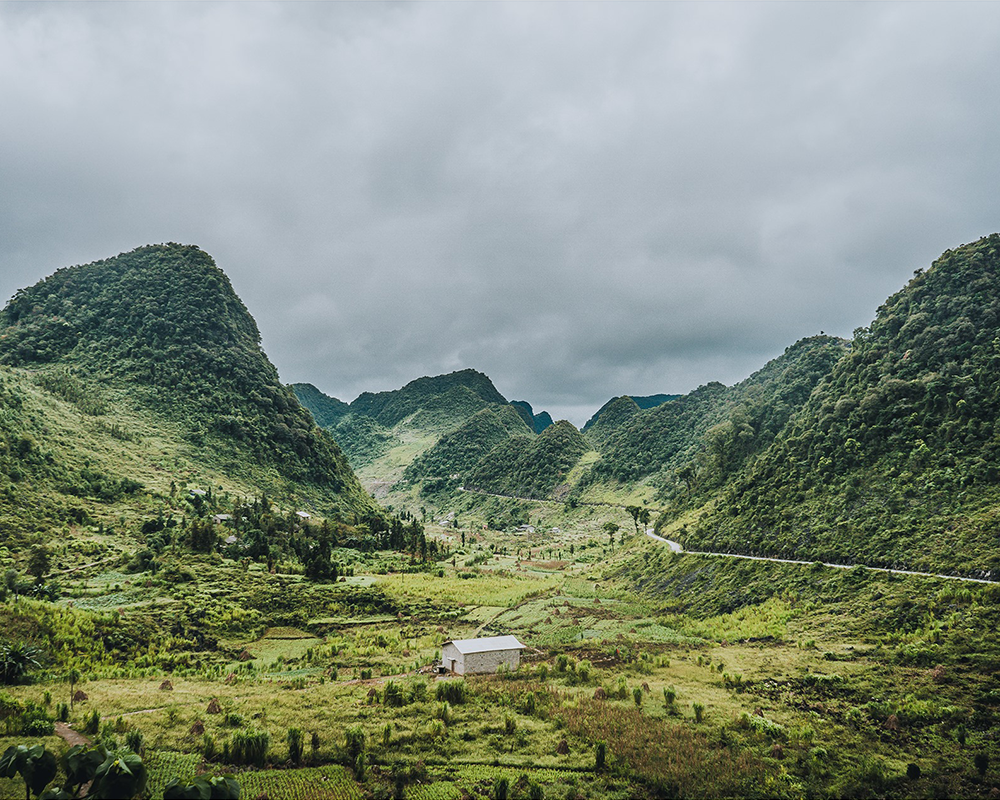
(462, 449)
(326, 410)
(439, 399)
(894, 457)
(644, 402)
(160, 329)
(530, 467)
(723, 425)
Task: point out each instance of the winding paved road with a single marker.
(677, 548)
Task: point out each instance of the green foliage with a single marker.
(164, 321)
(530, 467)
(249, 747)
(219, 787)
(17, 661)
(453, 692)
(294, 739)
(454, 396)
(892, 461)
(354, 743)
(462, 449)
(36, 766)
(714, 430)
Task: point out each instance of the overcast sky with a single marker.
(579, 199)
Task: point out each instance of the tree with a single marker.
(611, 528)
(634, 512)
(39, 561)
(644, 516)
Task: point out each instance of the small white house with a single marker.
(477, 656)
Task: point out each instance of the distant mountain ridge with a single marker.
(648, 401)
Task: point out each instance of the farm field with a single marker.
(786, 693)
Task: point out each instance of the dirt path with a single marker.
(69, 735)
(677, 548)
(88, 566)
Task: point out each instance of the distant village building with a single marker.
(303, 515)
(526, 529)
(479, 656)
(218, 519)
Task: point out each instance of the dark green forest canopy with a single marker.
(458, 393)
(636, 443)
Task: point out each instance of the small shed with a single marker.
(478, 656)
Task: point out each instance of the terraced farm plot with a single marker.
(331, 782)
(450, 590)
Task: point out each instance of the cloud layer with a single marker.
(581, 200)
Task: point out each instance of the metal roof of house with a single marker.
(487, 643)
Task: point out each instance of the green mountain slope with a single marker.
(462, 449)
(643, 402)
(326, 410)
(362, 439)
(636, 444)
(894, 458)
(609, 418)
(530, 467)
(537, 422)
(441, 400)
(160, 330)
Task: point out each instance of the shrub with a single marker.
(600, 756)
(392, 696)
(294, 739)
(699, 711)
(93, 723)
(249, 747)
(452, 692)
(354, 739)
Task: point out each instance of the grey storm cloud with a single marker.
(579, 199)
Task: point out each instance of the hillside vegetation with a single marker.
(530, 467)
(894, 457)
(161, 330)
(461, 450)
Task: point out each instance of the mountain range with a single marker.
(883, 448)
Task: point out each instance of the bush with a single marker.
(354, 739)
(392, 696)
(93, 723)
(249, 747)
(294, 739)
(452, 692)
